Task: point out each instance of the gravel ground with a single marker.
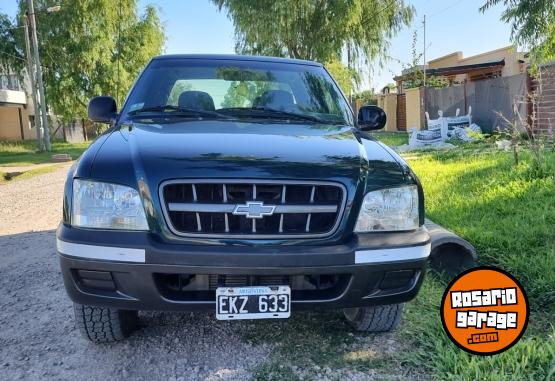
(38, 339)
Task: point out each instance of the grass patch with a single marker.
(28, 174)
(509, 216)
(20, 153)
(392, 139)
(532, 358)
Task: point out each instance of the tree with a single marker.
(367, 97)
(11, 58)
(533, 25)
(346, 78)
(91, 47)
(391, 87)
(319, 30)
(414, 76)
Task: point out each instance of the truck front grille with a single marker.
(252, 208)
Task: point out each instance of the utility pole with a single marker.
(424, 24)
(423, 103)
(30, 69)
(349, 70)
(46, 130)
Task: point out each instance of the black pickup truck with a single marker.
(243, 186)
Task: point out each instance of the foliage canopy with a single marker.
(318, 30)
(533, 25)
(343, 75)
(11, 60)
(88, 48)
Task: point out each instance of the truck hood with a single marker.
(142, 156)
(224, 149)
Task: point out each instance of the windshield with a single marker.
(245, 90)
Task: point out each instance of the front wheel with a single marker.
(103, 324)
(374, 319)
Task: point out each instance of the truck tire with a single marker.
(374, 319)
(104, 325)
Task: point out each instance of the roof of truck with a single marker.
(236, 57)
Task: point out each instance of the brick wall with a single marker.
(401, 112)
(545, 108)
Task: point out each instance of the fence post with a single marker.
(423, 124)
(84, 129)
(528, 94)
(464, 98)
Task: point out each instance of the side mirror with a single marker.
(102, 109)
(371, 118)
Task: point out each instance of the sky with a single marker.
(196, 26)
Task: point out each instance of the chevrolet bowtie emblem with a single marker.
(254, 209)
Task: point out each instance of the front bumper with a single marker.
(133, 270)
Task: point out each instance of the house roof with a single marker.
(458, 54)
(461, 59)
(460, 69)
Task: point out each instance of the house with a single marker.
(469, 80)
(502, 62)
(16, 110)
(17, 114)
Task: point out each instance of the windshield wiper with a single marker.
(275, 113)
(170, 110)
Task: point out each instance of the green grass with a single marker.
(391, 139)
(509, 216)
(28, 174)
(20, 153)
(532, 358)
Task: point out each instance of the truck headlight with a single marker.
(389, 209)
(106, 206)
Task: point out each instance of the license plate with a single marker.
(237, 303)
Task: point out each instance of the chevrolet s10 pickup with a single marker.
(244, 186)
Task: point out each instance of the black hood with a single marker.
(224, 149)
